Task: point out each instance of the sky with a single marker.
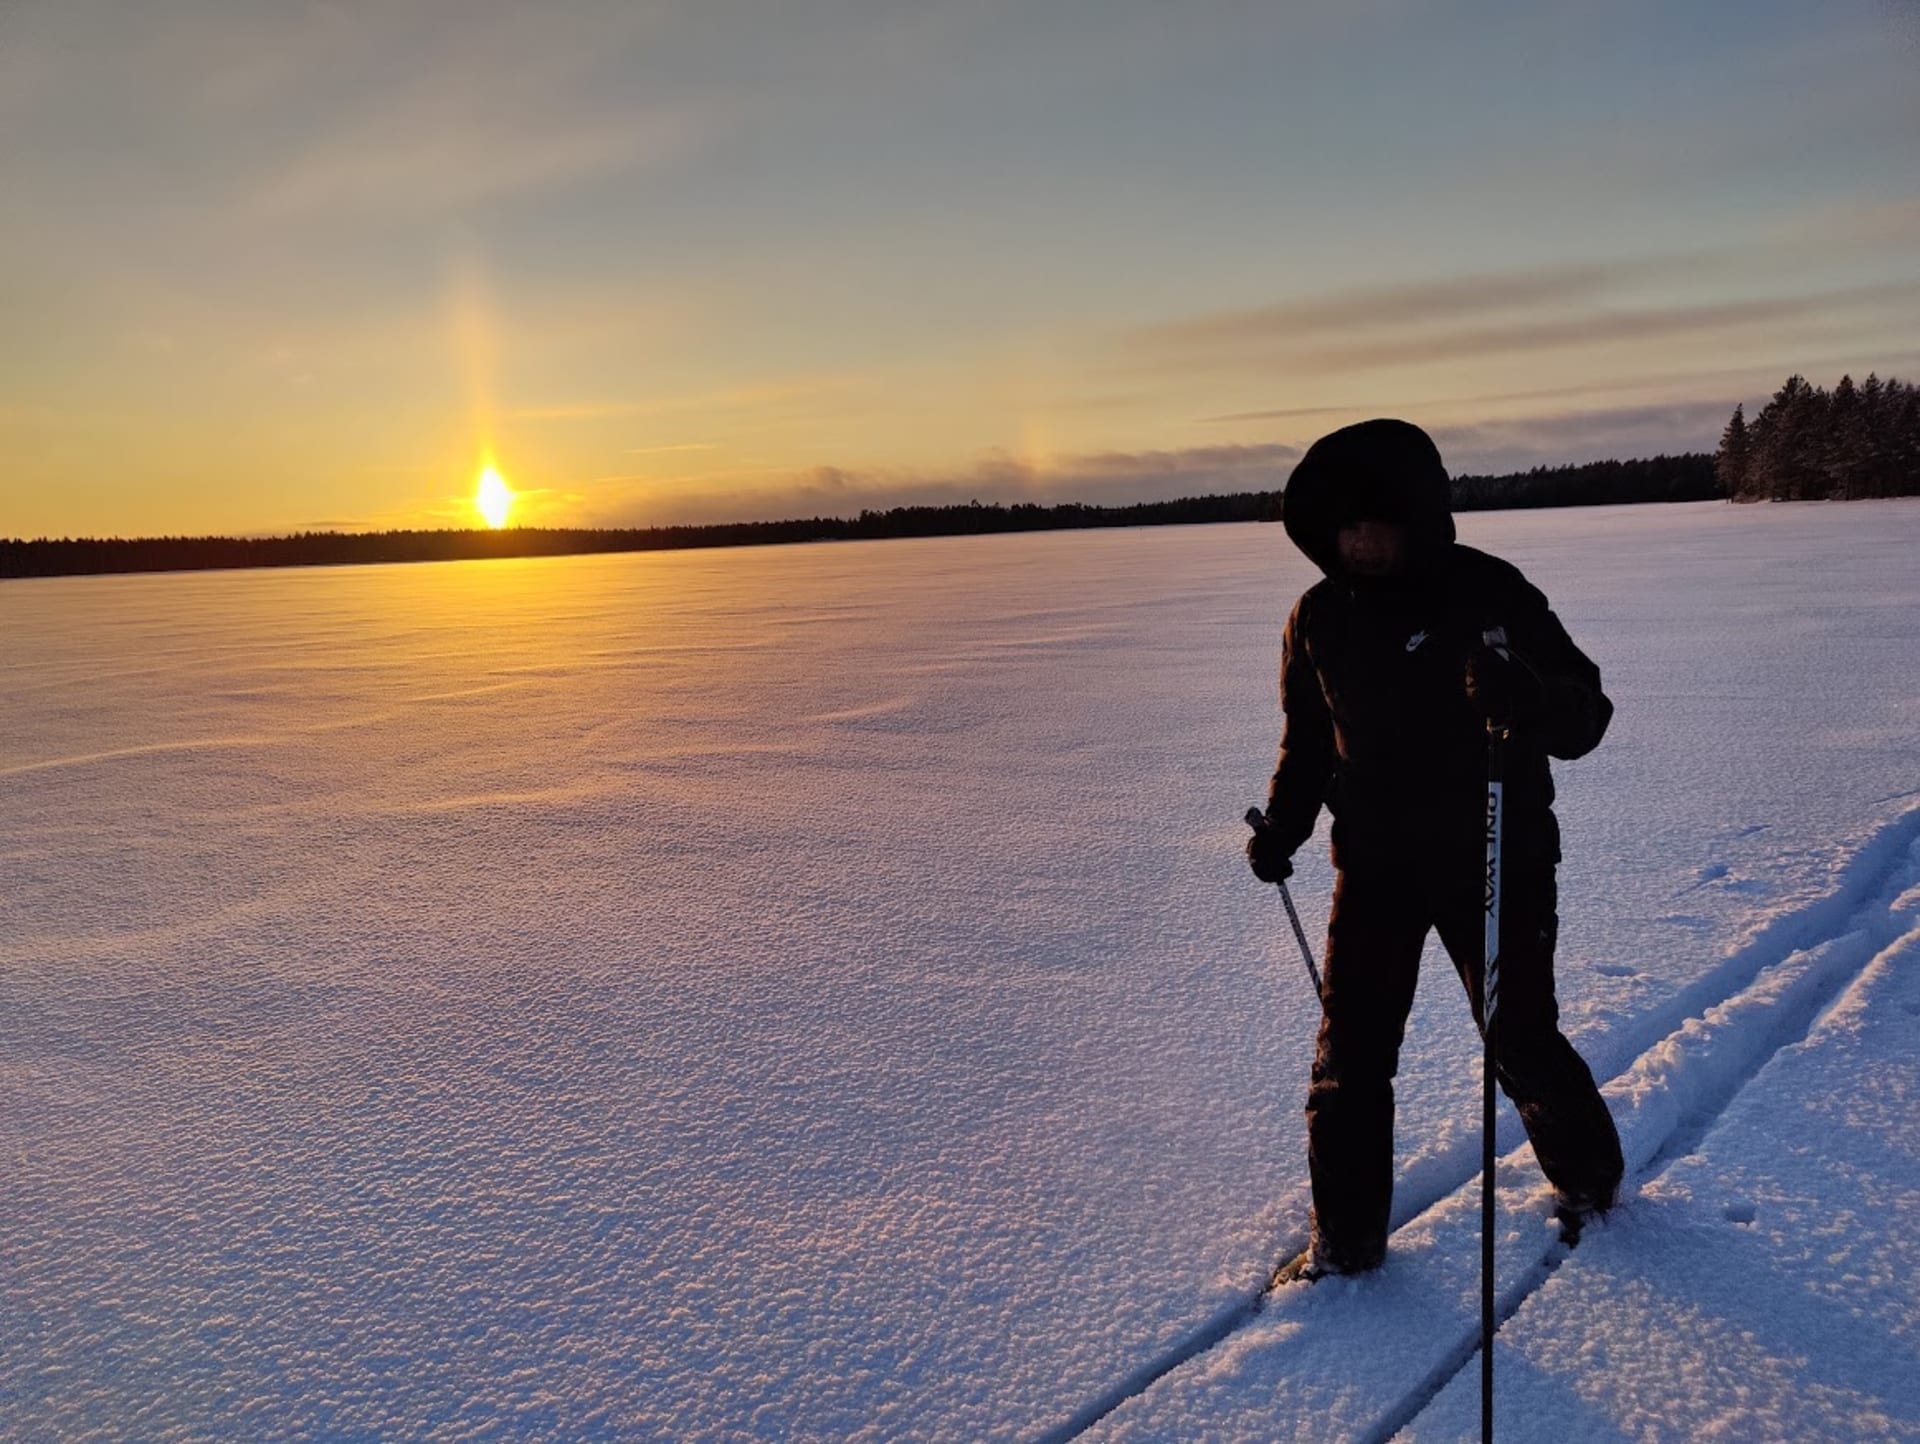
(313, 265)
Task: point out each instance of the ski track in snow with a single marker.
(1771, 991)
(1766, 1285)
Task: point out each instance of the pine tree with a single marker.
(1843, 445)
(1875, 478)
(1791, 455)
(1730, 462)
(1808, 428)
(1903, 435)
(1806, 443)
(1769, 445)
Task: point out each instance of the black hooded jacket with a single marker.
(1378, 725)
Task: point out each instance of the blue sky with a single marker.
(298, 264)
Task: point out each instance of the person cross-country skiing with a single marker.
(1387, 686)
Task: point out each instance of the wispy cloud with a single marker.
(1404, 304)
(1480, 317)
(1678, 387)
(1595, 327)
(1582, 435)
(729, 401)
(1107, 477)
(463, 104)
(445, 162)
(1872, 225)
(1210, 463)
(1486, 399)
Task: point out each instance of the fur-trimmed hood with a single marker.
(1380, 470)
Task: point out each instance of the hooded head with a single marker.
(1382, 470)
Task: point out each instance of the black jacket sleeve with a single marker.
(1575, 711)
(1306, 743)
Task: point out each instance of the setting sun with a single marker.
(493, 498)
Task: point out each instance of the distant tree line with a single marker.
(1688, 476)
(1660, 478)
(1811, 444)
(73, 556)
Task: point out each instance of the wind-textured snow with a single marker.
(815, 992)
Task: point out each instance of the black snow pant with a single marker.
(1381, 915)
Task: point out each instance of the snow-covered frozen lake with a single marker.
(816, 992)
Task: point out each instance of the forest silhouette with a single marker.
(1811, 444)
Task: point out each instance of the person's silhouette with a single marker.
(1387, 687)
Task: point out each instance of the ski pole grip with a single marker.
(1496, 638)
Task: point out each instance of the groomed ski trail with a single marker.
(1698, 1049)
(1681, 1090)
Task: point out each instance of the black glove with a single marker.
(1270, 861)
(1502, 688)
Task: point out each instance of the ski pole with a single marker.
(1489, 1012)
(1257, 820)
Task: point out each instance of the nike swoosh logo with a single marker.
(1415, 640)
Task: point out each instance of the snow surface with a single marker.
(1767, 1284)
(815, 992)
